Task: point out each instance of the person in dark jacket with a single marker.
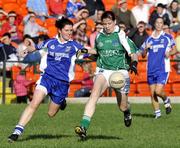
(160, 11)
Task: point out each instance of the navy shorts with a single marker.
(56, 89)
(159, 78)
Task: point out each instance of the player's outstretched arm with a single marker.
(86, 50)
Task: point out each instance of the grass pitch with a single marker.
(106, 130)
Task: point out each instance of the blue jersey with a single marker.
(157, 62)
(60, 59)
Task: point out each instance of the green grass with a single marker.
(106, 130)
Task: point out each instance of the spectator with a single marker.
(11, 26)
(10, 52)
(72, 8)
(174, 15)
(87, 81)
(80, 32)
(160, 11)
(141, 11)
(20, 87)
(39, 7)
(98, 15)
(22, 49)
(32, 28)
(94, 5)
(55, 7)
(124, 15)
(138, 34)
(98, 27)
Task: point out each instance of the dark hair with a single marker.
(43, 37)
(108, 14)
(60, 23)
(161, 5)
(7, 34)
(26, 36)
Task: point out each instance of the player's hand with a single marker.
(133, 67)
(81, 52)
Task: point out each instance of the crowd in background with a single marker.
(22, 34)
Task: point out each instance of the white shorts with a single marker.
(106, 73)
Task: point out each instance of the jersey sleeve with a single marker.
(124, 42)
(132, 45)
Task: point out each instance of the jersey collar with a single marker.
(116, 29)
(57, 37)
(153, 34)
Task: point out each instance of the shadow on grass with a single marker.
(143, 115)
(33, 137)
(103, 137)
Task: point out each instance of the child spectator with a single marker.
(20, 86)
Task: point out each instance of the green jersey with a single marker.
(111, 52)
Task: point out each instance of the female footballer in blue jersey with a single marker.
(58, 70)
(159, 46)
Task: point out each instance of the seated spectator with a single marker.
(174, 15)
(11, 26)
(9, 52)
(138, 35)
(80, 32)
(168, 30)
(98, 15)
(160, 11)
(39, 7)
(20, 87)
(22, 49)
(32, 28)
(124, 15)
(55, 8)
(87, 81)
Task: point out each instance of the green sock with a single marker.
(85, 121)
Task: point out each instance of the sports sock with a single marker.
(157, 113)
(126, 112)
(166, 101)
(85, 122)
(18, 130)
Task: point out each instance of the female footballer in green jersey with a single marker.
(112, 48)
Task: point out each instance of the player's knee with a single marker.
(158, 92)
